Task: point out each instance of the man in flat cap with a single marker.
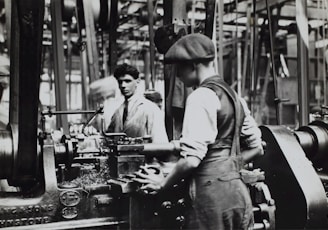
(216, 121)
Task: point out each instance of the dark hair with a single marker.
(123, 69)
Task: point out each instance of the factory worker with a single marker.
(136, 116)
(105, 91)
(210, 155)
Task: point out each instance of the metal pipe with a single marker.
(66, 112)
(302, 61)
(151, 42)
(220, 5)
(100, 110)
(58, 57)
(160, 149)
(274, 73)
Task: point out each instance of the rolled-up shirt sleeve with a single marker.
(200, 123)
(250, 133)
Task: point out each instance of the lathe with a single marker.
(87, 183)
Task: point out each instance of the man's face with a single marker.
(187, 74)
(128, 85)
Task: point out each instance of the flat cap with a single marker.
(190, 48)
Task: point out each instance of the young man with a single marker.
(209, 150)
(137, 116)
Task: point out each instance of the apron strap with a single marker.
(235, 149)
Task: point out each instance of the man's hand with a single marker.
(151, 178)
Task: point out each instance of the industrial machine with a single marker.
(86, 181)
(295, 165)
(75, 182)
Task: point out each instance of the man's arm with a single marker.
(251, 154)
(251, 142)
(199, 130)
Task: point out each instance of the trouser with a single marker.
(218, 204)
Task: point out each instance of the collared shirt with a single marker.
(144, 119)
(200, 124)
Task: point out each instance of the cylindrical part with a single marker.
(160, 149)
(323, 177)
(60, 153)
(6, 154)
(306, 140)
(314, 141)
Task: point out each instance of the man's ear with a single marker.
(138, 80)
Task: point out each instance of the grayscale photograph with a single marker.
(163, 114)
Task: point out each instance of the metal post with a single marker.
(58, 52)
(84, 74)
(220, 5)
(302, 61)
(92, 48)
(25, 69)
(113, 24)
(8, 22)
(151, 41)
(210, 12)
(146, 55)
(174, 11)
(14, 61)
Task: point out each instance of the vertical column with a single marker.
(59, 70)
(8, 21)
(113, 24)
(147, 61)
(302, 61)
(174, 108)
(220, 5)
(92, 48)
(151, 41)
(25, 69)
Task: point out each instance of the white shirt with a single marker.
(144, 118)
(200, 124)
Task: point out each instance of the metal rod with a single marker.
(277, 101)
(325, 6)
(221, 44)
(98, 111)
(58, 52)
(92, 49)
(302, 61)
(66, 112)
(151, 41)
(160, 149)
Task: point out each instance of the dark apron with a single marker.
(220, 199)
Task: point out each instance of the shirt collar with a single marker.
(133, 98)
